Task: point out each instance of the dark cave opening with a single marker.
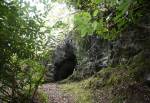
(64, 69)
(64, 65)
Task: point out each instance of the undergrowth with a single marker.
(41, 97)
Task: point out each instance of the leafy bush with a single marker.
(20, 40)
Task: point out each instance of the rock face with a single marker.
(133, 41)
(64, 60)
(92, 55)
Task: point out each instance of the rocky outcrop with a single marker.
(131, 43)
(92, 55)
(97, 53)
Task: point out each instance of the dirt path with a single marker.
(55, 95)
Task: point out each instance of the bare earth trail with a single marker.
(55, 95)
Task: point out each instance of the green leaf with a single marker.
(95, 13)
(94, 25)
(96, 1)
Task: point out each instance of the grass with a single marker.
(80, 93)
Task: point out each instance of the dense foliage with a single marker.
(21, 39)
(107, 18)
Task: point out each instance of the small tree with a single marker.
(20, 41)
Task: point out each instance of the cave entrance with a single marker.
(64, 65)
(65, 69)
